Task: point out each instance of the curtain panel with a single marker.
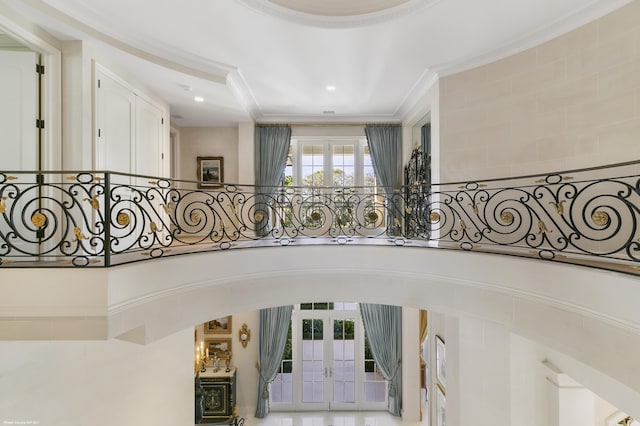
(383, 325)
(271, 149)
(273, 329)
(385, 145)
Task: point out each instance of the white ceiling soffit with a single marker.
(337, 13)
(261, 60)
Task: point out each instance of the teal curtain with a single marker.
(385, 144)
(273, 329)
(271, 149)
(383, 325)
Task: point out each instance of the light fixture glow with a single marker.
(198, 99)
(331, 88)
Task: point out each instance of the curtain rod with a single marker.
(328, 124)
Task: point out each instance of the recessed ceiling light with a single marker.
(331, 88)
(198, 99)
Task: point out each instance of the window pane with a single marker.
(313, 164)
(344, 165)
(369, 175)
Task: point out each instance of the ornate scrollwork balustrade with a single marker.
(587, 217)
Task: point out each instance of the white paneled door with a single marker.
(115, 118)
(18, 110)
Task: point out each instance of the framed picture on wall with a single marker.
(210, 172)
(220, 348)
(218, 326)
(441, 412)
(440, 361)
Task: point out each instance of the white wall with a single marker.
(208, 142)
(483, 370)
(102, 383)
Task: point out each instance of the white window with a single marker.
(329, 162)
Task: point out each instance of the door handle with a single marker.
(325, 372)
(330, 371)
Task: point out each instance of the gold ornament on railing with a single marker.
(123, 219)
(94, 202)
(507, 217)
(166, 208)
(38, 220)
(79, 235)
(3, 206)
(153, 228)
(258, 217)
(542, 227)
(558, 206)
(434, 217)
(600, 218)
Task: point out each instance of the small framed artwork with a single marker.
(210, 172)
(218, 326)
(440, 362)
(220, 348)
(441, 407)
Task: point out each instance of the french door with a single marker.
(328, 365)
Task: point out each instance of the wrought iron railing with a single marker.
(48, 219)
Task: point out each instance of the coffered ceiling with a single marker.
(302, 60)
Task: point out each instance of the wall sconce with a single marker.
(244, 335)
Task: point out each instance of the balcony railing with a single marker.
(91, 219)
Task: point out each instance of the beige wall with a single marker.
(244, 359)
(208, 142)
(569, 103)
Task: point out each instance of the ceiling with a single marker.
(272, 60)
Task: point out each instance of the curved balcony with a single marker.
(99, 219)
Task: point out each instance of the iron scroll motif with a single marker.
(101, 219)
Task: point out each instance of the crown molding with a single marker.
(412, 109)
(159, 54)
(594, 10)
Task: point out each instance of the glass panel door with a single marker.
(343, 371)
(313, 366)
(327, 364)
